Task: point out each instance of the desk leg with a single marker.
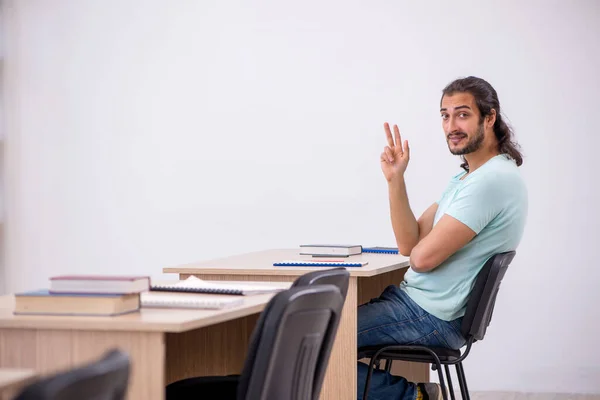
(340, 377)
(49, 351)
(372, 287)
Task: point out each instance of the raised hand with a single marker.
(394, 158)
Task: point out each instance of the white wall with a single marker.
(144, 134)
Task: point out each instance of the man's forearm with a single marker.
(404, 222)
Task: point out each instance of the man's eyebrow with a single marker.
(456, 108)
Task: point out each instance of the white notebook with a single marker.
(196, 285)
(188, 300)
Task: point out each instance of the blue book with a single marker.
(48, 293)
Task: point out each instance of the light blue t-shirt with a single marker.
(492, 201)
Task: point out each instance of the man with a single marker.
(482, 212)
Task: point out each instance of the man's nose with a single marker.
(452, 127)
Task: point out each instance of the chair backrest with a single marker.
(291, 344)
(333, 276)
(104, 379)
(482, 300)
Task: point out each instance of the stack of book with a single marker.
(84, 295)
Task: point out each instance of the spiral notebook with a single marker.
(196, 285)
(380, 250)
(188, 300)
(322, 263)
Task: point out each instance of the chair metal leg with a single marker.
(388, 365)
(437, 364)
(462, 380)
(377, 364)
(442, 384)
(372, 362)
(450, 388)
(464, 389)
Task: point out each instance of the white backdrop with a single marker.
(145, 134)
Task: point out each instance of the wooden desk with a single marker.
(365, 283)
(165, 345)
(13, 380)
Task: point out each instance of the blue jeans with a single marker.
(393, 318)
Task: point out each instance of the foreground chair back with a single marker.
(104, 379)
(333, 276)
(291, 344)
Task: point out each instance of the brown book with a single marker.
(99, 284)
(42, 302)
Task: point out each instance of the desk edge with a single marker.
(354, 271)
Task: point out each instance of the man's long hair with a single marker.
(486, 99)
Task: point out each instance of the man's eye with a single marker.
(444, 116)
(463, 115)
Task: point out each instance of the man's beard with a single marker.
(472, 145)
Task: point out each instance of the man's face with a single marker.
(461, 123)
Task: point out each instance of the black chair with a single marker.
(104, 379)
(288, 353)
(478, 315)
(333, 276)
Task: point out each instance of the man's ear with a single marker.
(490, 119)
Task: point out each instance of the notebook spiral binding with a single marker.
(380, 250)
(316, 264)
(159, 288)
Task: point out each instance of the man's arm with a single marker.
(407, 230)
(394, 160)
(426, 221)
(477, 203)
(447, 237)
(404, 224)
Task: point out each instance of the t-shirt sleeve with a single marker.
(477, 203)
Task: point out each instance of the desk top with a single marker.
(261, 263)
(10, 377)
(147, 319)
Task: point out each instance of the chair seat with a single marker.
(410, 353)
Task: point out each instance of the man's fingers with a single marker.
(388, 134)
(406, 149)
(389, 154)
(397, 136)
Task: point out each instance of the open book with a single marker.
(196, 285)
